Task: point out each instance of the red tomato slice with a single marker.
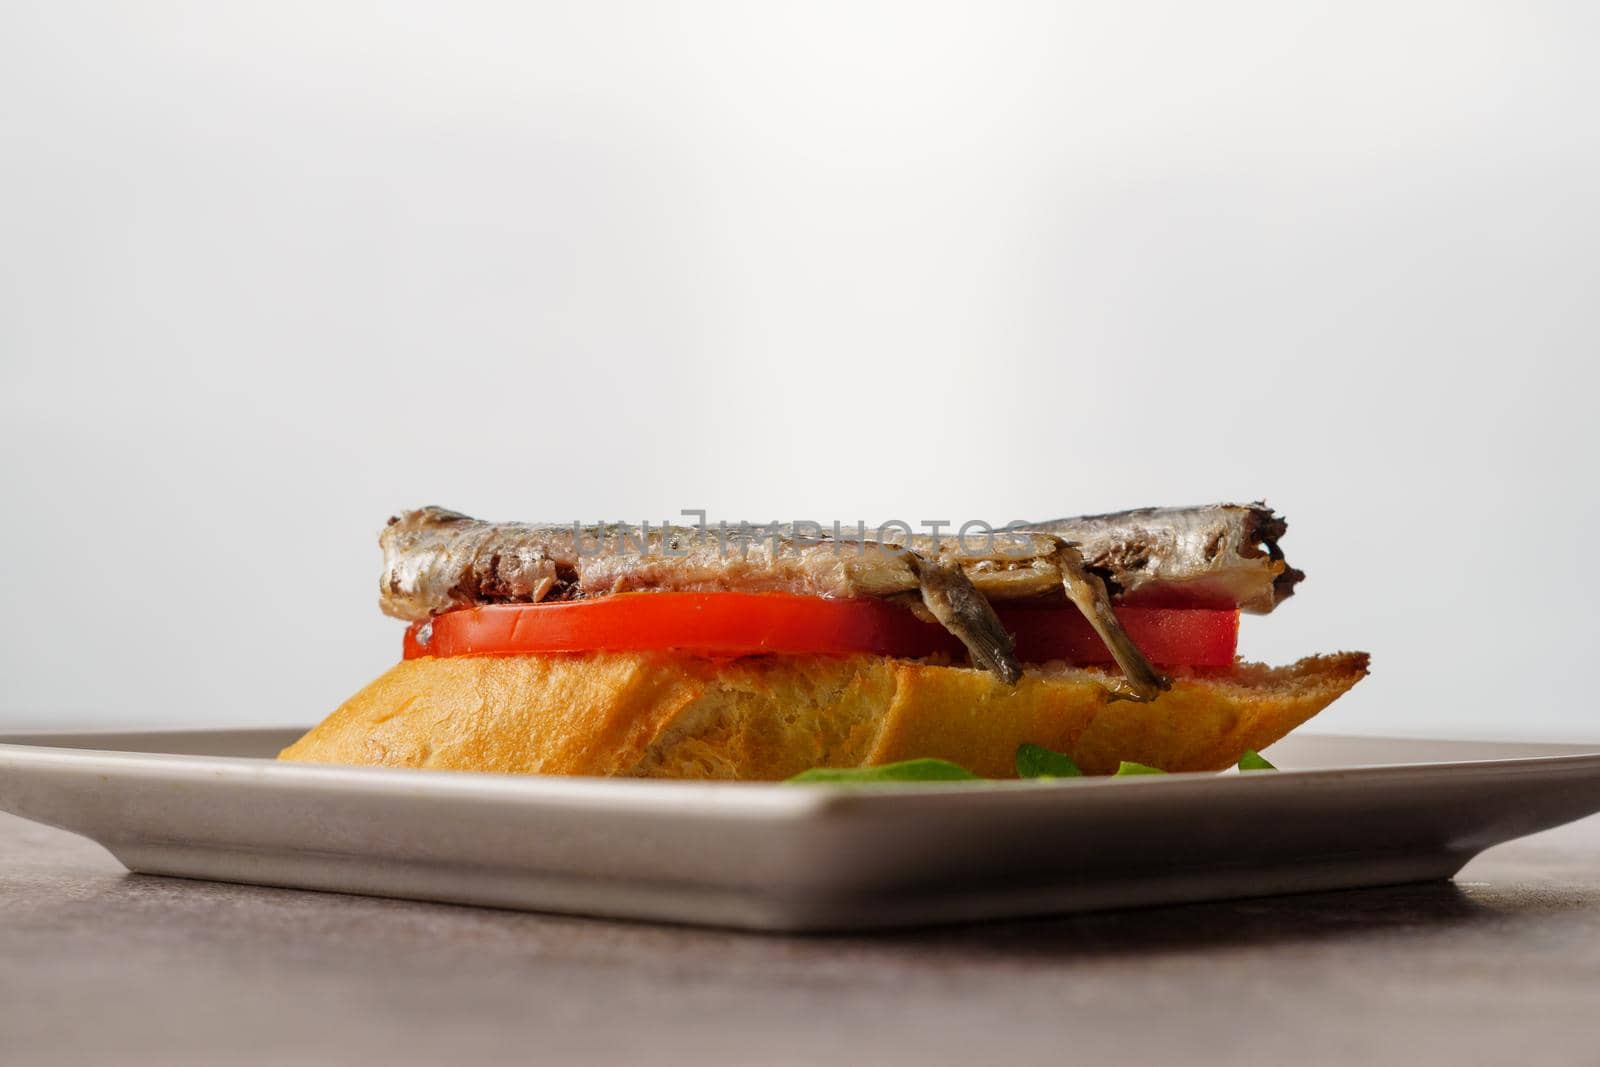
(1169, 637)
(742, 624)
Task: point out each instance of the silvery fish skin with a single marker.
(436, 560)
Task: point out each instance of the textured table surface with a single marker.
(97, 965)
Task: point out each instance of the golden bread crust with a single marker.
(653, 714)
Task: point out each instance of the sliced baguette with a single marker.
(663, 715)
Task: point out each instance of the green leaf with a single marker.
(1253, 761)
(1036, 761)
(911, 770)
(1137, 768)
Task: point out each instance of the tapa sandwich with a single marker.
(759, 653)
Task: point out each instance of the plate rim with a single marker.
(709, 796)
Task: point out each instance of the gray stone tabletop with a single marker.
(101, 966)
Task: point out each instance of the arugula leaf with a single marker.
(1033, 761)
(1254, 761)
(1036, 761)
(1127, 767)
(911, 770)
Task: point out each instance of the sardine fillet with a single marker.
(436, 560)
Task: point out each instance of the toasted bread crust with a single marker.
(662, 715)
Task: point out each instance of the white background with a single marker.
(270, 272)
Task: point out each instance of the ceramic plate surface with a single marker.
(1344, 812)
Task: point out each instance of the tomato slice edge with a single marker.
(726, 624)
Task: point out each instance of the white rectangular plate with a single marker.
(207, 804)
